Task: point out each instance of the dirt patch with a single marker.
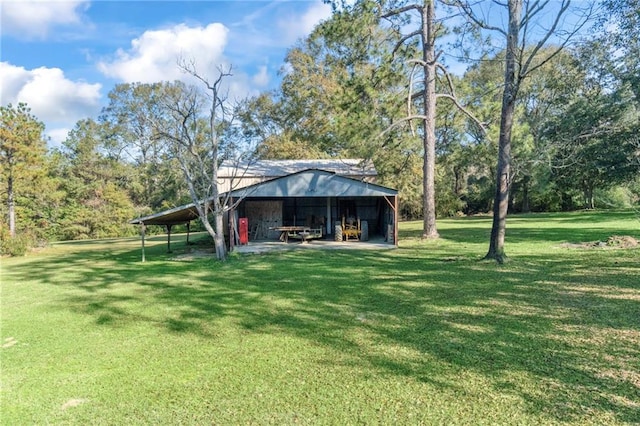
(195, 254)
(613, 242)
(73, 403)
(8, 342)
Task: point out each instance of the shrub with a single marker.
(617, 197)
(16, 246)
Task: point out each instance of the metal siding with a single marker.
(238, 183)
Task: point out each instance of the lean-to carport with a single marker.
(182, 215)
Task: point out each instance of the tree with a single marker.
(130, 136)
(340, 92)
(598, 160)
(22, 150)
(426, 33)
(346, 86)
(543, 95)
(595, 140)
(264, 121)
(336, 95)
(621, 33)
(522, 58)
(195, 141)
(97, 202)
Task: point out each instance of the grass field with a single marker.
(425, 334)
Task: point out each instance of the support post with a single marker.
(169, 238)
(329, 222)
(395, 220)
(188, 231)
(394, 207)
(142, 232)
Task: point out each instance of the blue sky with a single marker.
(63, 57)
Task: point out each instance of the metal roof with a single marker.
(313, 183)
(277, 168)
(175, 216)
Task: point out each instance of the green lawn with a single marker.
(425, 334)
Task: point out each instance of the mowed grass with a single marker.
(425, 334)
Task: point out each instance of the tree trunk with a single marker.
(12, 206)
(589, 203)
(457, 186)
(218, 239)
(525, 194)
(212, 232)
(501, 198)
(566, 202)
(216, 231)
(429, 100)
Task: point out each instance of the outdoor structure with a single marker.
(234, 176)
(279, 195)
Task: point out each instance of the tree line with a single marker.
(545, 121)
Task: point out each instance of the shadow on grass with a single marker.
(557, 332)
(577, 227)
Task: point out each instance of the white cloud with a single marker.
(57, 136)
(36, 18)
(12, 80)
(295, 27)
(261, 79)
(153, 57)
(53, 99)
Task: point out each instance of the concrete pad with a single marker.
(269, 245)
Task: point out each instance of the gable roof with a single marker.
(313, 183)
(277, 168)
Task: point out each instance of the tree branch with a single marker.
(401, 121)
(403, 39)
(452, 97)
(464, 110)
(526, 68)
(469, 13)
(532, 10)
(556, 52)
(400, 10)
(417, 61)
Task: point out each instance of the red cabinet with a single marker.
(243, 230)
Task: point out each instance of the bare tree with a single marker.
(194, 139)
(521, 60)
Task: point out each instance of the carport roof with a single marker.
(305, 184)
(175, 216)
